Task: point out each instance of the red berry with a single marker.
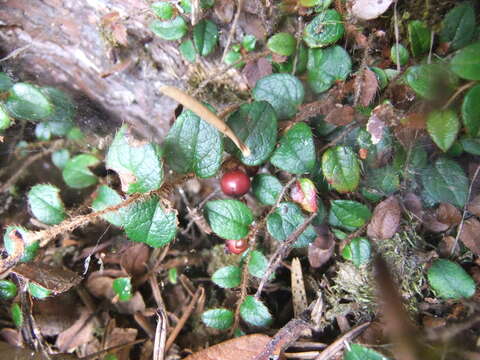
(236, 246)
(235, 183)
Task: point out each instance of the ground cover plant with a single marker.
(328, 210)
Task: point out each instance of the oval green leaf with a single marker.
(326, 28)
(205, 36)
(282, 43)
(105, 198)
(221, 319)
(229, 219)
(258, 264)
(471, 111)
(77, 174)
(26, 101)
(227, 277)
(443, 127)
(171, 29)
(341, 168)
(46, 205)
(255, 313)
(266, 188)
(466, 63)
(458, 26)
(348, 214)
(450, 281)
(8, 290)
(358, 251)
(326, 66)
(419, 36)
(123, 288)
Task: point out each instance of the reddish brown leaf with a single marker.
(304, 193)
(56, 313)
(340, 116)
(134, 259)
(470, 235)
(431, 222)
(119, 336)
(445, 247)
(385, 219)
(244, 348)
(448, 214)
(368, 86)
(474, 206)
(376, 123)
(321, 250)
(255, 70)
(415, 121)
(355, 33)
(80, 333)
(224, 10)
(413, 203)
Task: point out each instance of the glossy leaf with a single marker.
(341, 168)
(192, 144)
(205, 36)
(296, 153)
(449, 280)
(60, 121)
(138, 164)
(229, 219)
(60, 158)
(258, 264)
(348, 214)
(443, 127)
(46, 205)
(249, 42)
(30, 247)
(171, 29)
(326, 28)
(471, 110)
(256, 125)
(26, 101)
(458, 26)
(419, 36)
(221, 319)
(8, 290)
(472, 146)
(283, 91)
(76, 172)
(227, 277)
(266, 188)
(5, 120)
(5, 82)
(282, 43)
(254, 312)
(430, 80)
(359, 352)
(123, 288)
(445, 181)
(164, 10)
(17, 315)
(466, 63)
(105, 198)
(187, 49)
(285, 220)
(326, 66)
(38, 291)
(399, 53)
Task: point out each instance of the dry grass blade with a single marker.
(201, 110)
(160, 336)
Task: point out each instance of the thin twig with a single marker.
(458, 92)
(233, 28)
(460, 227)
(298, 37)
(397, 35)
(16, 52)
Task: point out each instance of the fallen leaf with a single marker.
(341, 115)
(368, 86)
(134, 259)
(413, 203)
(17, 353)
(448, 214)
(445, 247)
(224, 10)
(119, 336)
(321, 250)
(385, 220)
(56, 313)
(369, 9)
(377, 122)
(355, 33)
(431, 222)
(474, 206)
(243, 347)
(119, 34)
(11, 336)
(80, 333)
(416, 121)
(470, 235)
(131, 306)
(255, 70)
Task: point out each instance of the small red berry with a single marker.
(235, 183)
(236, 246)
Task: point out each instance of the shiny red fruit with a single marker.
(235, 183)
(236, 246)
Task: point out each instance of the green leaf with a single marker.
(26, 101)
(123, 288)
(5, 120)
(445, 181)
(449, 280)
(8, 290)
(403, 55)
(173, 29)
(283, 91)
(139, 165)
(466, 63)
(249, 42)
(192, 144)
(386, 180)
(282, 43)
(348, 214)
(472, 146)
(326, 66)
(471, 111)
(60, 158)
(17, 315)
(341, 168)
(285, 220)
(229, 219)
(443, 127)
(164, 10)
(227, 277)
(77, 174)
(382, 77)
(188, 50)
(358, 251)
(46, 205)
(60, 121)
(256, 125)
(150, 222)
(173, 276)
(232, 57)
(5, 82)
(221, 319)
(296, 153)
(38, 291)
(30, 247)
(419, 36)
(75, 134)
(266, 188)
(105, 198)
(258, 264)
(42, 132)
(359, 352)
(430, 80)
(326, 28)
(458, 26)
(205, 36)
(254, 312)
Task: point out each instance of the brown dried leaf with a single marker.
(134, 259)
(448, 214)
(119, 336)
(119, 34)
(431, 223)
(224, 10)
(470, 235)
(368, 86)
(413, 203)
(340, 116)
(385, 220)
(255, 70)
(376, 123)
(244, 348)
(355, 33)
(55, 279)
(56, 313)
(11, 336)
(80, 333)
(474, 206)
(130, 307)
(321, 250)
(101, 286)
(445, 247)
(299, 295)
(415, 121)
